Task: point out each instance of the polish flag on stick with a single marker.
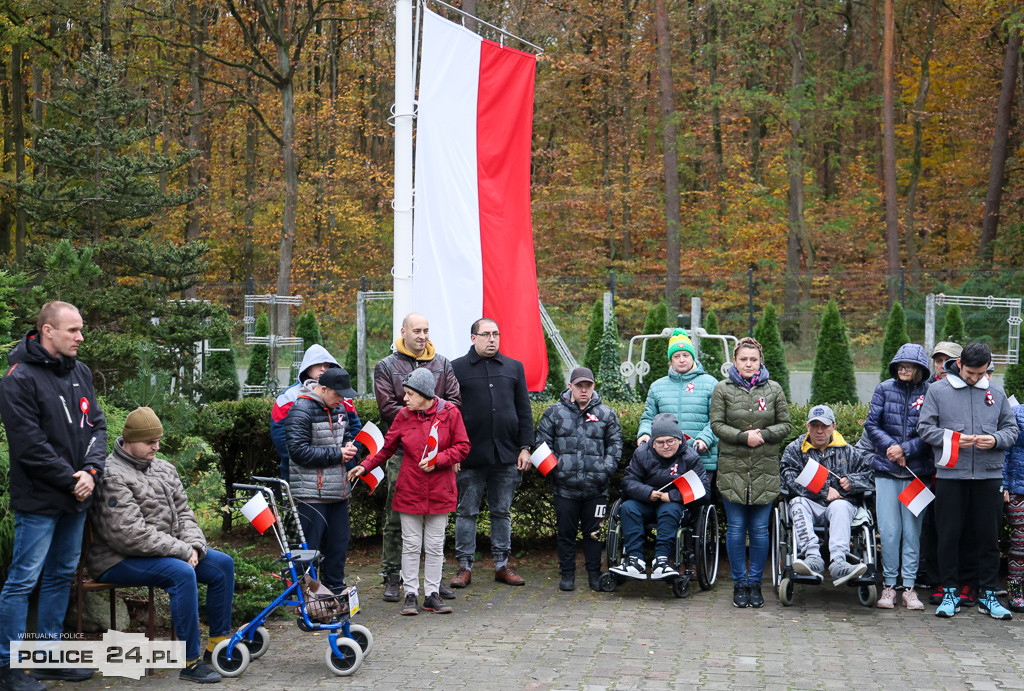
(813, 476)
(543, 460)
(430, 450)
(259, 513)
(373, 478)
(689, 485)
(370, 437)
(916, 496)
(950, 448)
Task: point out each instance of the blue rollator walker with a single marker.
(317, 607)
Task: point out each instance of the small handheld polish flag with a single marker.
(370, 437)
(813, 476)
(373, 478)
(259, 513)
(690, 486)
(950, 449)
(543, 460)
(916, 496)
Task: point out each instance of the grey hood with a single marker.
(314, 355)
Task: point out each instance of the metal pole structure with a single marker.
(609, 308)
(361, 342)
(404, 90)
(929, 323)
(611, 285)
(750, 299)
(695, 320)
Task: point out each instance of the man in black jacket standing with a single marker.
(57, 437)
(496, 410)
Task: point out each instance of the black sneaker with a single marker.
(410, 608)
(754, 596)
(740, 596)
(433, 603)
(63, 674)
(968, 596)
(568, 581)
(594, 577)
(200, 673)
(18, 680)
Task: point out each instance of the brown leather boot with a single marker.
(462, 578)
(506, 575)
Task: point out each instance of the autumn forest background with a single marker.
(793, 150)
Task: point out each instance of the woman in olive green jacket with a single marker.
(750, 416)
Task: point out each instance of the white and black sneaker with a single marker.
(662, 569)
(843, 571)
(631, 567)
(810, 565)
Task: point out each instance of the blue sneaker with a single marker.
(988, 602)
(950, 604)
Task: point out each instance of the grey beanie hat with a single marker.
(665, 425)
(421, 381)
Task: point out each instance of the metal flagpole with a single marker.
(403, 115)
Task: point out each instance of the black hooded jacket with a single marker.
(54, 428)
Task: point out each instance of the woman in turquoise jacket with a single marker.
(686, 393)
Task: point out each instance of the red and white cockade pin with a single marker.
(591, 417)
(689, 388)
(988, 398)
(762, 405)
(83, 405)
(918, 403)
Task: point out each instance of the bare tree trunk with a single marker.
(917, 115)
(798, 245)
(671, 161)
(892, 221)
(997, 169)
(291, 200)
(18, 130)
(626, 85)
(716, 111)
(249, 225)
(196, 140)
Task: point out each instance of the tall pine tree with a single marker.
(592, 353)
(712, 351)
(308, 329)
(657, 348)
(609, 375)
(953, 328)
(833, 380)
(768, 335)
(895, 336)
(259, 356)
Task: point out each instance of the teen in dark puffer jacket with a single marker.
(586, 438)
(897, 455)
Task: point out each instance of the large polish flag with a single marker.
(472, 234)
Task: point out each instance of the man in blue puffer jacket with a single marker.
(897, 455)
(686, 393)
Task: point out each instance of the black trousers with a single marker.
(974, 507)
(928, 572)
(574, 516)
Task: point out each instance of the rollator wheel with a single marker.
(351, 657)
(681, 587)
(236, 665)
(260, 643)
(786, 592)
(362, 636)
(868, 595)
(608, 583)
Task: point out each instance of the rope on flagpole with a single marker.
(502, 32)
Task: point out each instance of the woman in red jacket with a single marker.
(434, 442)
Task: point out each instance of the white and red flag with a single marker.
(950, 449)
(258, 513)
(373, 478)
(472, 232)
(542, 459)
(430, 449)
(370, 437)
(690, 486)
(916, 496)
(813, 476)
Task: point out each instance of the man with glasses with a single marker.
(496, 411)
(968, 423)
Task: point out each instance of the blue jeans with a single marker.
(743, 520)
(44, 544)
(216, 570)
(896, 524)
(499, 481)
(634, 514)
(326, 527)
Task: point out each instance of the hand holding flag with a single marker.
(372, 478)
(543, 460)
(813, 476)
(689, 485)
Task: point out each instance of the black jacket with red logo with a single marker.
(54, 428)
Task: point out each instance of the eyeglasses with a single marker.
(904, 368)
(663, 443)
(489, 335)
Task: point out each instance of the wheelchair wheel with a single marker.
(868, 595)
(779, 544)
(260, 643)
(362, 636)
(681, 587)
(236, 665)
(351, 657)
(707, 547)
(613, 541)
(608, 583)
(786, 592)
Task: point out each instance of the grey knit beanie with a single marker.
(665, 425)
(421, 381)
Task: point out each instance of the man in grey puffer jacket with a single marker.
(968, 423)
(585, 436)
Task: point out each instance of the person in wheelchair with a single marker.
(834, 505)
(652, 467)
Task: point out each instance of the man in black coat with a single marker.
(57, 437)
(496, 410)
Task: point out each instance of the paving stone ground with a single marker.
(639, 637)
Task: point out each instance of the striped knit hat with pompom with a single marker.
(680, 340)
